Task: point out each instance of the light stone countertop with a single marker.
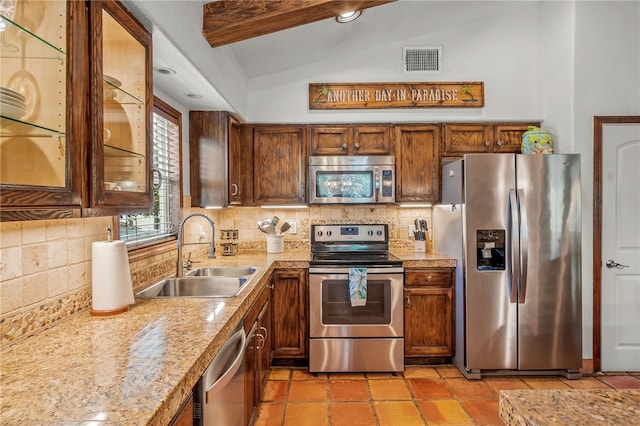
(570, 407)
(137, 367)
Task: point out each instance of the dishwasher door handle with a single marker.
(238, 341)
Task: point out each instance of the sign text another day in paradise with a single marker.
(396, 95)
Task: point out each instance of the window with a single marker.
(162, 222)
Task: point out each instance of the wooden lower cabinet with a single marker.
(290, 300)
(429, 314)
(257, 358)
(184, 417)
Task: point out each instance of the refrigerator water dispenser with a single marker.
(490, 249)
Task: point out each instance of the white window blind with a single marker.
(162, 221)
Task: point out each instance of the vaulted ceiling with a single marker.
(180, 41)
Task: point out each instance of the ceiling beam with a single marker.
(230, 21)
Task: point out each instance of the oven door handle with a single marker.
(345, 271)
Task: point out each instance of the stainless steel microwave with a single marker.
(356, 179)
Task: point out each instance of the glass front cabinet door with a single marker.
(43, 108)
(122, 101)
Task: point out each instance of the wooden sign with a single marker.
(396, 95)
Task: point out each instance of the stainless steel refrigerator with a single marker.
(514, 224)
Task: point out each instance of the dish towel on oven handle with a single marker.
(358, 286)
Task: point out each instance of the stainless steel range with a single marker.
(365, 336)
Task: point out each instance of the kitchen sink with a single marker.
(223, 271)
(198, 286)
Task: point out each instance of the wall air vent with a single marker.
(422, 59)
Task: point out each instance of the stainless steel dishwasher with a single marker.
(220, 390)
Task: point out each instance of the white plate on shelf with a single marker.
(12, 93)
(111, 80)
(11, 111)
(13, 102)
(12, 97)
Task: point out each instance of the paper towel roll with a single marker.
(111, 289)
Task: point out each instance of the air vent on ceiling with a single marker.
(422, 59)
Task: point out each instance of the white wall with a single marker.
(499, 50)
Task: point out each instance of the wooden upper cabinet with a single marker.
(417, 153)
(43, 111)
(208, 148)
(239, 162)
(350, 140)
(469, 138)
(279, 164)
(121, 116)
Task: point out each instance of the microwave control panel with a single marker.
(387, 183)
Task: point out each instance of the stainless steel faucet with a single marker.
(212, 247)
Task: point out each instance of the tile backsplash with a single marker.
(45, 266)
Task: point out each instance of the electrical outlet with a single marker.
(294, 228)
(412, 229)
(200, 232)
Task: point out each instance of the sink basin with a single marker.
(199, 286)
(223, 271)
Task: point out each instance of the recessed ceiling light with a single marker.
(164, 70)
(193, 96)
(345, 17)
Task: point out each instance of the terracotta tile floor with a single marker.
(419, 396)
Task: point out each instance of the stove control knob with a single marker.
(329, 233)
(319, 233)
(370, 233)
(379, 232)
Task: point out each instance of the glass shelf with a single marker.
(114, 151)
(17, 128)
(122, 96)
(14, 34)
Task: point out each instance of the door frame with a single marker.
(598, 123)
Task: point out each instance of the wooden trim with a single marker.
(175, 116)
(598, 122)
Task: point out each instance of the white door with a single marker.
(620, 315)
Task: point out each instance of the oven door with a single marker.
(331, 313)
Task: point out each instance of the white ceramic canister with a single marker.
(275, 243)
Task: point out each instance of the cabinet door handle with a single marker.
(344, 146)
(407, 302)
(234, 189)
(261, 341)
(264, 329)
(499, 143)
(487, 143)
(357, 145)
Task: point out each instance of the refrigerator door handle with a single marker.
(524, 248)
(513, 272)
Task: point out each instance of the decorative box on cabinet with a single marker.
(417, 152)
(290, 304)
(468, 138)
(120, 175)
(429, 313)
(350, 140)
(279, 164)
(43, 64)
